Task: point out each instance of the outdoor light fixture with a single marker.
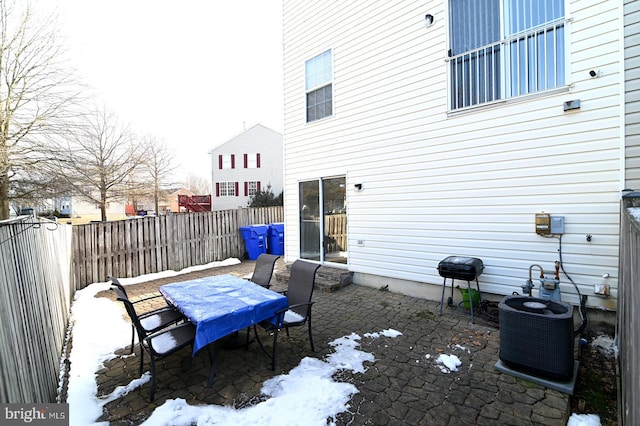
(571, 105)
(358, 186)
(428, 19)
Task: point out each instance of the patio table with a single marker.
(222, 304)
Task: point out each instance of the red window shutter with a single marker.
(233, 161)
(258, 160)
(217, 189)
(258, 186)
(237, 190)
(246, 160)
(246, 189)
(220, 161)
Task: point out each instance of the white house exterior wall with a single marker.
(437, 183)
(257, 139)
(632, 92)
(87, 209)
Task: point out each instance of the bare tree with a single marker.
(103, 162)
(36, 100)
(159, 165)
(197, 184)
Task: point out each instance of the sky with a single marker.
(193, 73)
(305, 395)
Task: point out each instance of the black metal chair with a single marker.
(158, 342)
(299, 292)
(150, 321)
(116, 282)
(263, 270)
(262, 273)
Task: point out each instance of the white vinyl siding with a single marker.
(436, 185)
(632, 93)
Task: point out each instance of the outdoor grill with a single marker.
(460, 268)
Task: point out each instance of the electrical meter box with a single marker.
(557, 225)
(543, 223)
(548, 225)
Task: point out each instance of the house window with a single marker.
(251, 188)
(226, 189)
(490, 61)
(226, 161)
(251, 161)
(318, 72)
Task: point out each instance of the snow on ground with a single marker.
(308, 392)
(448, 363)
(606, 345)
(584, 420)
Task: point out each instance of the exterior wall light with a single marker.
(429, 19)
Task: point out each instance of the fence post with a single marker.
(170, 237)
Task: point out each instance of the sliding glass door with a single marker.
(323, 220)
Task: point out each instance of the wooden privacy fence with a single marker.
(35, 297)
(129, 248)
(629, 311)
(335, 229)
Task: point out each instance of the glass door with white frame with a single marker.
(323, 220)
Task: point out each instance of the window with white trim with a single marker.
(504, 48)
(318, 75)
(253, 187)
(226, 161)
(226, 189)
(252, 161)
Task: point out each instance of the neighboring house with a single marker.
(244, 165)
(64, 205)
(438, 128)
(172, 199)
(167, 202)
(81, 208)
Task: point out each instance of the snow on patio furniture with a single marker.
(159, 344)
(150, 321)
(299, 293)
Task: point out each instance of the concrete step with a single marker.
(328, 279)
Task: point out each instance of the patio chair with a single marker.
(116, 282)
(263, 270)
(159, 342)
(262, 273)
(151, 321)
(299, 292)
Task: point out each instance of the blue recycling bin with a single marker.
(255, 240)
(275, 239)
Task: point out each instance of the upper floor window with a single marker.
(227, 161)
(251, 161)
(318, 73)
(490, 61)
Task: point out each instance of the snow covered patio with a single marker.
(381, 358)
